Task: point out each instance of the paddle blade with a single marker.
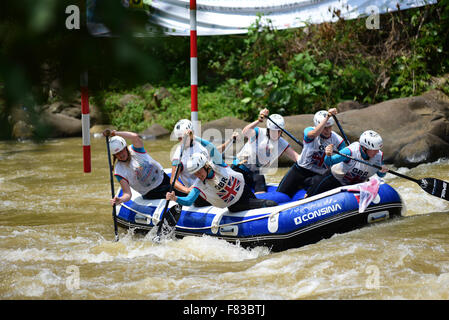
(435, 187)
(167, 226)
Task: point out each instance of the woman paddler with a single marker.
(220, 186)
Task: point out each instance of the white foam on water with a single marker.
(416, 199)
(206, 248)
(83, 250)
(35, 285)
(305, 288)
(59, 231)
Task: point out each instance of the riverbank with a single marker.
(415, 130)
(295, 72)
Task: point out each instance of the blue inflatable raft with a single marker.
(293, 223)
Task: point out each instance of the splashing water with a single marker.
(57, 242)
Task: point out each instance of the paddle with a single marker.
(341, 130)
(172, 186)
(286, 132)
(234, 139)
(433, 186)
(114, 211)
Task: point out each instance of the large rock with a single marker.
(349, 105)
(73, 109)
(49, 124)
(220, 130)
(22, 130)
(154, 132)
(415, 130)
(57, 125)
(295, 125)
(61, 119)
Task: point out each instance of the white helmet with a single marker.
(116, 144)
(371, 140)
(181, 127)
(319, 116)
(278, 119)
(196, 162)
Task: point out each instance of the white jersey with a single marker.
(260, 151)
(142, 172)
(354, 172)
(224, 189)
(313, 153)
(187, 178)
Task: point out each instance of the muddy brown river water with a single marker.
(56, 242)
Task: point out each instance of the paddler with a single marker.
(311, 161)
(135, 168)
(345, 171)
(220, 186)
(264, 147)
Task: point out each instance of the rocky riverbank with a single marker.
(415, 130)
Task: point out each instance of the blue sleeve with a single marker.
(336, 158)
(190, 198)
(341, 146)
(139, 150)
(256, 129)
(381, 174)
(306, 132)
(215, 155)
(256, 135)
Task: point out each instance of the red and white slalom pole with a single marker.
(85, 121)
(193, 68)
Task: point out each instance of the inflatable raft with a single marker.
(293, 223)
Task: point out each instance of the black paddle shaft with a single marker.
(172, 186)
(114, 210)
(341, 129)
(286, 132)
(433, 186)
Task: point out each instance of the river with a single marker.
(57, 237)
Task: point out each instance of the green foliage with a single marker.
(296, 90)
(356, 81)
(141, 81)
(301, 71)
(141, 107)
(409, 77)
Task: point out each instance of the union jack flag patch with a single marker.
(229, 191)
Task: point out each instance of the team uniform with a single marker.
(198, 146)
(143, 174)
(224, 188)
(310, 163)
(352, 172)
(345, 171)
(257, 156)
